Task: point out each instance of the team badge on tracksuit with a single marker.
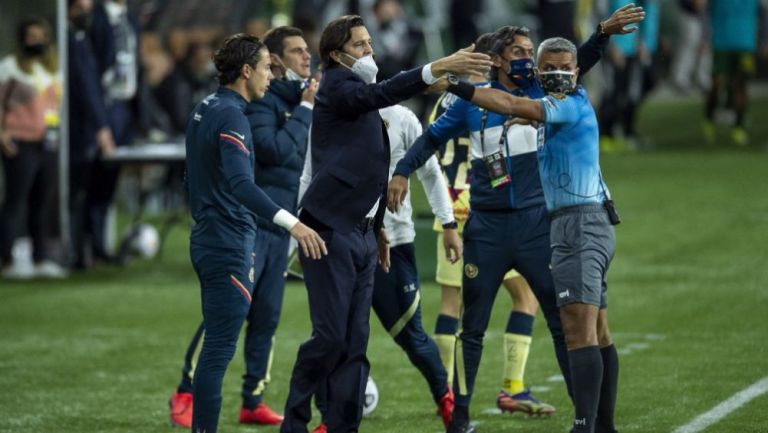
(470, 270)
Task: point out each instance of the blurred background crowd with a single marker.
(135, 69)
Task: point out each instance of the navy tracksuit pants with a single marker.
(225, 290)
(494, 243)
(269, 264)
(396, 302)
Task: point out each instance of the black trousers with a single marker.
(340, 289)
(104, 177)
(80, 170)
(30, 181)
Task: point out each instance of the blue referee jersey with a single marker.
(569, 152)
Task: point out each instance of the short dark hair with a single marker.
(335, 35)
(504, 36)
(275, 38)
(236, 50)
(483, 42)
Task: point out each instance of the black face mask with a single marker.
(562, 82)
(82, 21)
(34, 50)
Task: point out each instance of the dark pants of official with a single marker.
(225, 290)
(30, 180)
(396, 302)
(494, 243)
(101, 190)
(270, 261)
(339, 288)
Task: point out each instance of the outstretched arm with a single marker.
(499, 101)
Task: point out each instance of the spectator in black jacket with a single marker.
(395, 39)
(114, 35)
(89, 131)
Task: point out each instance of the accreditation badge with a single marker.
(497, 169)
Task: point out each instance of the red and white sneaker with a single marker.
(181, 409)
(320, 429)
(445, 407)
(261, 414)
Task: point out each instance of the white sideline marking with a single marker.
(723, 409)
(556, 378)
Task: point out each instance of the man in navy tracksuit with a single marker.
(224, 201)
(279, 124)
(345, 203)
(508, 227)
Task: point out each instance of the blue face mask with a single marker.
(521, 72)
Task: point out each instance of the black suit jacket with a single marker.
(350, 147)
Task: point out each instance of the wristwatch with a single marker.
(452, 79)
(601, 30)
(451, 225)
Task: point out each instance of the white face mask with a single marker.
(290, 74)
(365, 68)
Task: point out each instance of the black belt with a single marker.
(365, 224)
(582, 208)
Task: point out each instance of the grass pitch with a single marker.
(101, 352)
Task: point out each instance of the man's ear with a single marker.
(335, 56)
(275, 60)
(246, 71)
(497, 61)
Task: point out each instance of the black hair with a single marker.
(275, 38)
(335, 35)
(236, 50)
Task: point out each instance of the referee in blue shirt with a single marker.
(582, 219)
(224, 201)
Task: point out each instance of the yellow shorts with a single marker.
(449, 274)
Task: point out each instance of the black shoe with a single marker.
(460, 426)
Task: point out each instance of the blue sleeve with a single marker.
(276, 145)
(449, 125)
(590, 52)
(235, 153)
(353, 96)
(556, 110)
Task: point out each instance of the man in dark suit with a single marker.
(344, 204)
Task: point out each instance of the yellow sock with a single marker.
(516, 349)
(447, 345)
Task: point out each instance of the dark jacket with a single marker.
(350, 147)
(280, 128)
(87, 112)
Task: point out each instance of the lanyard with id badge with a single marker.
(494, 163)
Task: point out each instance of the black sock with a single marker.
(461, 413)
(608, 389)
(586, 376)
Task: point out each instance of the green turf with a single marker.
(102, 352)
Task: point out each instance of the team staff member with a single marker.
(582, 214)
(343, 202)
(280, 128)
(223, 199)
(396, 294)
(517, 336)
(509, 225)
